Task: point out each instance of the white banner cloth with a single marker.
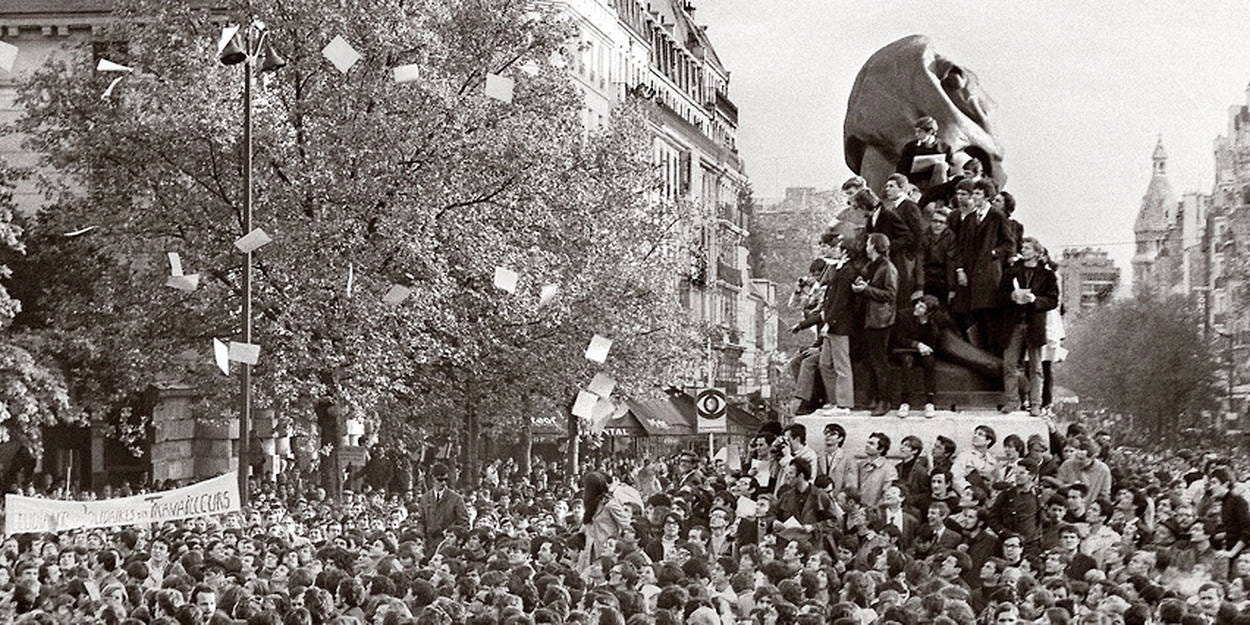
(219, 495)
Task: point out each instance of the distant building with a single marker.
(656, 52)
(786, 232)
(1088, 279)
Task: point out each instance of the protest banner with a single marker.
(219, 495)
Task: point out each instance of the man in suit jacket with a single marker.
(905, 256)
(441, 507)
(880, 290)
(937, 535)
(834, 462)
(883, 219)
(983, 245)
(891, 512)
(1033, 290)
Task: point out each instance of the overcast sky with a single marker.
(1082, 91)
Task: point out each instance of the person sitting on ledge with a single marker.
(915, 337)
(927, 144)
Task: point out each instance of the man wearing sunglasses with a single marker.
(441, 507)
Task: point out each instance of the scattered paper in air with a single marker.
(189, 282)
(246, 353)
(925, 161)
(746, 508)
(602, 413)
(531, 68)
(79, 232)
(597, 351)
(106, 65)
(340, 53)
(396, 294)
(252, 241)
(351, 278)
(112, 85)
(547, 294)
(602, 385)
(8, 56)
(499, 87)
(407, 73)
(584, 407)
(506, 279)
(227, 34)
(221, 353)
(175, 263)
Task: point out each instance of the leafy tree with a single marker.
(31, 394)
(428, 184)
(1145, 357)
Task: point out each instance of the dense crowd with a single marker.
(939, 269)
(800, 533)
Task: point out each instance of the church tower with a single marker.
(1155, 217)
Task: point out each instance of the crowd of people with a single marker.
(936, 256)
(800, 532)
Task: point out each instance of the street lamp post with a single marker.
(234, 52)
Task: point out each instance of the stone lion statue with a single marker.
(907, 80)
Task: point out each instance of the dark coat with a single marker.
(895, 228)
(911, 150)
(911, 215)
(881, 292)
(1045, 286)
(911, 525)
(1019, 512)
(981, 251)
(439, 515)
(749, 530)
(838, 307)
(936, 261)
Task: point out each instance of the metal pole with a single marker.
(245, 380)
(711, 381)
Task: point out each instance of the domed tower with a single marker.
(1154, 219)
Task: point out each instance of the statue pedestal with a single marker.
(957, 426)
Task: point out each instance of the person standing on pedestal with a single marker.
(880, 290)
(905, 251)
(1034, 291)
(983, 245)
(838, 314)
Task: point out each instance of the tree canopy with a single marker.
(1145, 357)
(428, 184)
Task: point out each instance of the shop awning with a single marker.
(675, 415)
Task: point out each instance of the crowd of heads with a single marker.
(797, 529)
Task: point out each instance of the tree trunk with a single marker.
(570, 471)
(527, 435)
(329, 428)
(473, 445)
